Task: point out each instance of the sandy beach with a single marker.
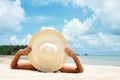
(91, 72)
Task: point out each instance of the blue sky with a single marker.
(89, 26)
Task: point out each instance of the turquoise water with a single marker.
(98, 60)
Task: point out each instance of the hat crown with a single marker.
(48, 50)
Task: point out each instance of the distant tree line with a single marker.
(10, 49)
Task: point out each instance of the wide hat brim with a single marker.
(43, 61)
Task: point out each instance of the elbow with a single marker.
(80, 71)
(12, 66)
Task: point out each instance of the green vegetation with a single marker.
(10, 49)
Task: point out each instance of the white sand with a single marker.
(92, 72)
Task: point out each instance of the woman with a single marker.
(68, 69)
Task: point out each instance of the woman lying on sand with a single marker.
(68, 69)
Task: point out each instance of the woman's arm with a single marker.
(14, 64)
(71, 69)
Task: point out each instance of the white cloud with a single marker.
(74, 31)
(15, 41)
(75, 27)
(11, 15)
(103, 41)
(110, 15)
(107, 10)
(98, 39)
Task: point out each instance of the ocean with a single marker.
(98, 60)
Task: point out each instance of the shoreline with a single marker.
(91, 72)
(86, 60)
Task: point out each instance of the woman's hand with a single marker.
(15, 65)
(69, 52)
(78, 67)
(25, 51)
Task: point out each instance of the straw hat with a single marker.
(47, 53)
